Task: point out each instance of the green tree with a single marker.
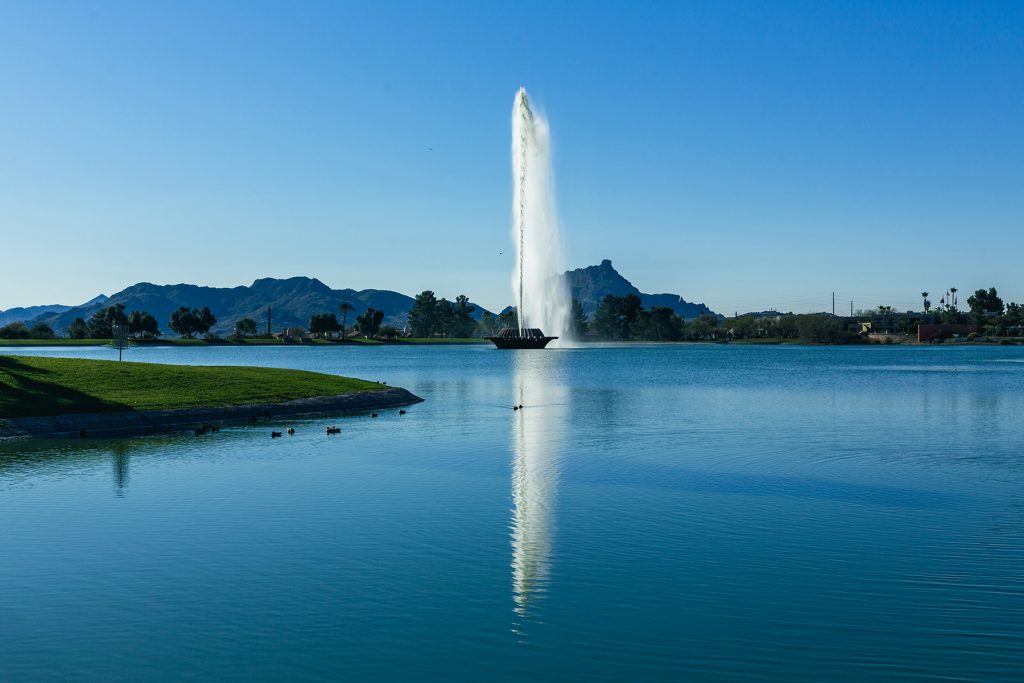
(184, 321)
(207, 319)
(369, 322)
(487, 325)
(616, 317)
(15, 330)
(660, 323)
(767, 326)
(577, 320)
(101, 324)
(188, 322)
(463, 324)
(143, 324)
(41, 331)
(708, 325)
(246, 327)
(703, 327)
(629, 314)
(821, 329)
(321, 324)
(423, 316)
(606, 317)
(744, 327)
(78, 329)
(787, 327)
(985, 305)
(1014, 315)
(389, 332)
(444, 317)
(508, 318)
(344, 307)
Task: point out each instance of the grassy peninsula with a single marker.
(35, 387)
(248, 341)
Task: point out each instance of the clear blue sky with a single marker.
(743, 155)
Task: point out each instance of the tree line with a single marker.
(368, 323)
(623, 318)
(430, 316)
(19, 330)
(187, 322)
(992, 316)
(617, 318)
(986, 309)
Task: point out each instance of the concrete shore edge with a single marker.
(130, 423)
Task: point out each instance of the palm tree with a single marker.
(344, 308)
(927, 304)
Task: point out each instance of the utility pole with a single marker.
(851, 308)
(833, 304)
(268, 321)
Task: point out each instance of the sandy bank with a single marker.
(154, 421)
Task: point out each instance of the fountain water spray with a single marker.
(541, 293)
(538, 436)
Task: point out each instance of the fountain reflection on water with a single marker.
(537, 440)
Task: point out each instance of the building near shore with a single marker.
(930, 333)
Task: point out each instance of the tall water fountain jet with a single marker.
(541, 293)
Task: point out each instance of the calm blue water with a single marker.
(659, 513)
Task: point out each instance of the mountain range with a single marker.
(12, 315)
(592, 284)
(292, 301)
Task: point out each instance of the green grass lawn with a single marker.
(106, 342)
(53, 342)
(32, 386)
(253, 341)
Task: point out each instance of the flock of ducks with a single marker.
(333, 429)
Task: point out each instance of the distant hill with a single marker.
(292, 302)
(26, 313)
(592, 284)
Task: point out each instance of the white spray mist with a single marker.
(541, 293)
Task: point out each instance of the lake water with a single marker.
(657, 513)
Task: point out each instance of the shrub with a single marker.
(15, 330)
(41, 331)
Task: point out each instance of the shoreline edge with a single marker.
(140, 422)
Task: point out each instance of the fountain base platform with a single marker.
(520, 338)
